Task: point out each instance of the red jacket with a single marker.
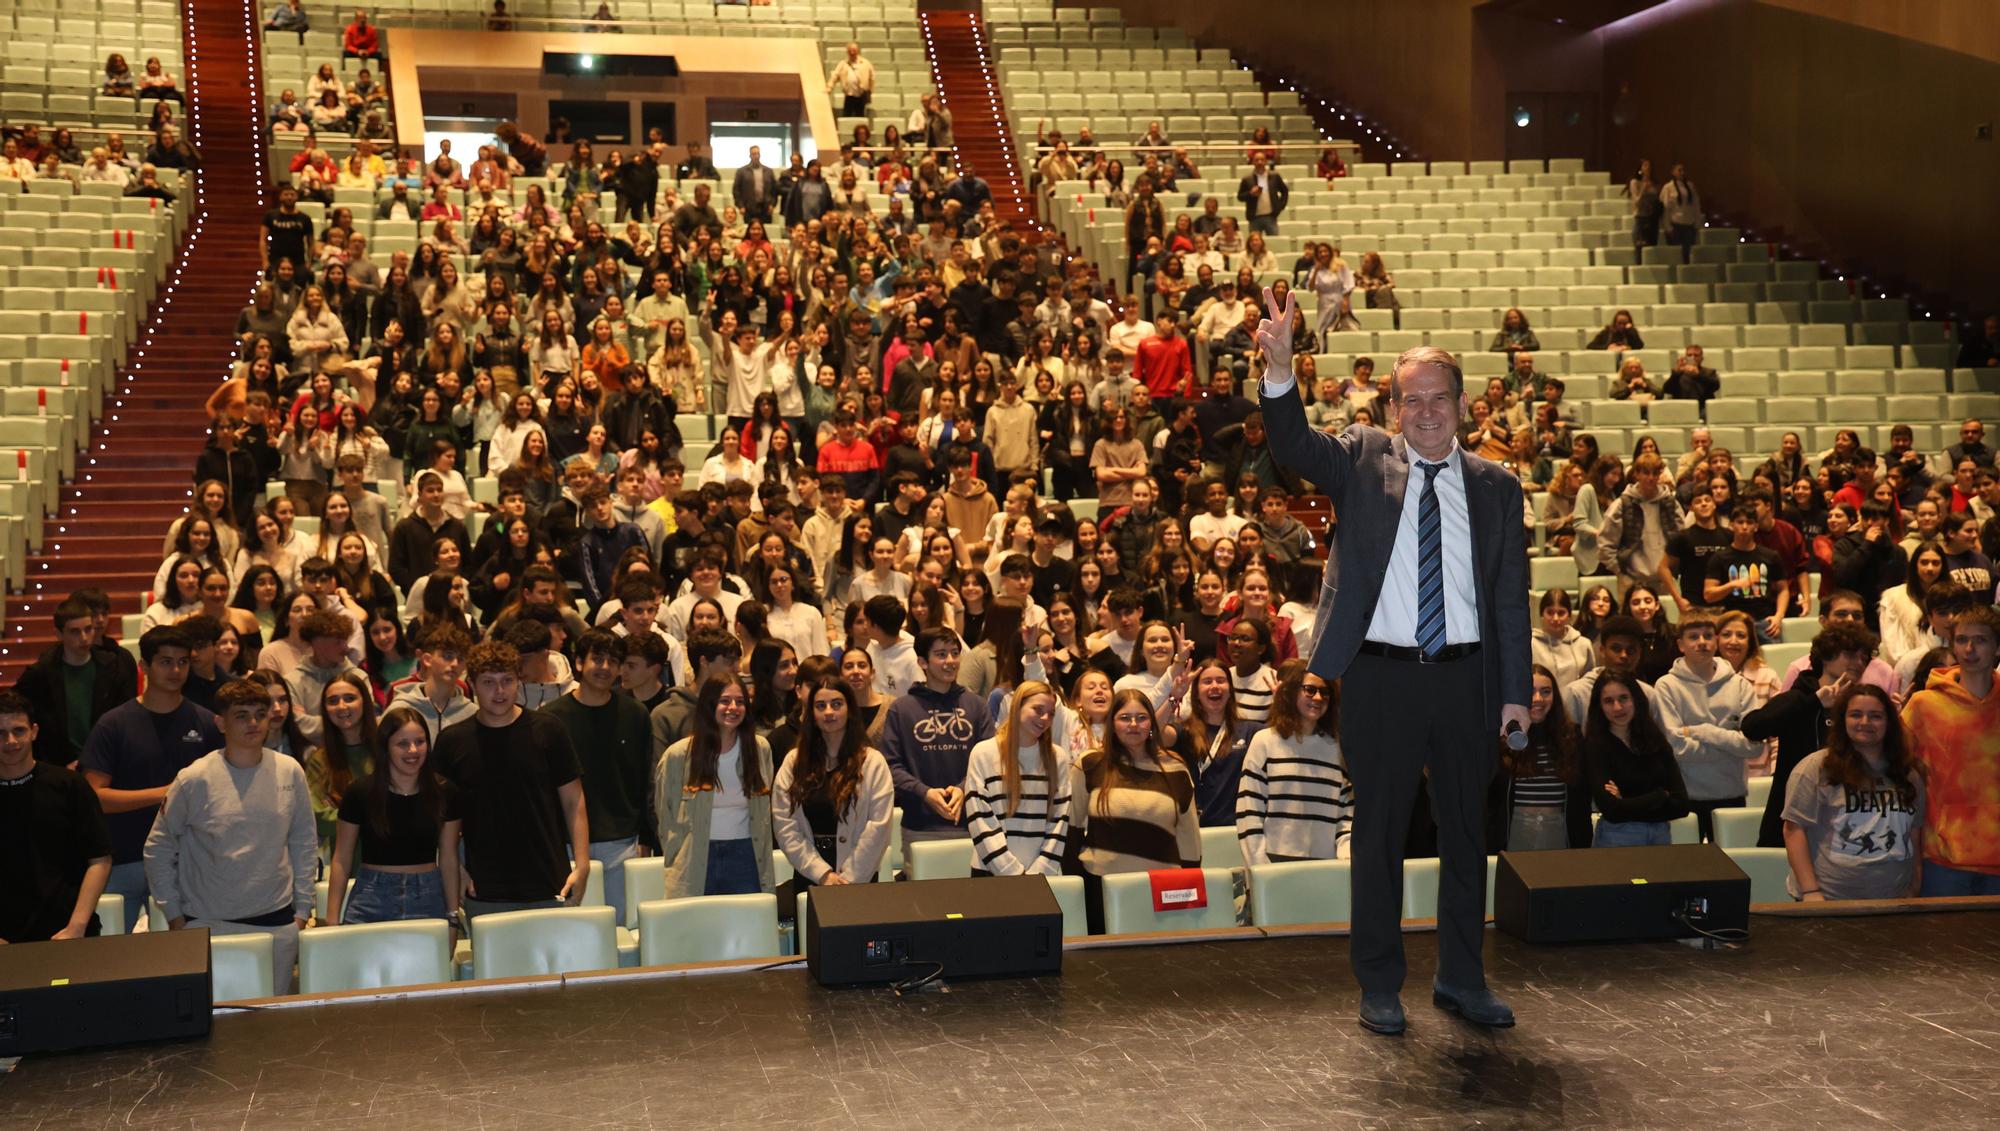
(358, 40)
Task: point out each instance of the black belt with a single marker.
(1443, 655)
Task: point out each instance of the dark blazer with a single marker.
(1281, 194)
(42, 686)
(1365, 470)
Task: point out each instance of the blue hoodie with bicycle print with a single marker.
(927, 737)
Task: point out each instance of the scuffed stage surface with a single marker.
(1877, 1022)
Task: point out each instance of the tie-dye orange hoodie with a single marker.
(1956, 738)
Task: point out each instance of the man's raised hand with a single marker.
(1274, 334)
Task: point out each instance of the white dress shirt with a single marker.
(1395, 619)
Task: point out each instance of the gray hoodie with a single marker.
(1714, 752)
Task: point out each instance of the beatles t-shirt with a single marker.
(1863, 842)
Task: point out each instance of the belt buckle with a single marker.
(1424, 657)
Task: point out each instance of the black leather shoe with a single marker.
(1382, 1013)
(1480, 1007)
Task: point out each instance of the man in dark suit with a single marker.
(755, 187)
(1264, 195)
(1430, 639)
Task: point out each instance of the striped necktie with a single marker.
(1430, 565)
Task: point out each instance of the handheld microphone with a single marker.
(1517, 739)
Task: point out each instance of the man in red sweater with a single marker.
(359, 40)
(1163, 363)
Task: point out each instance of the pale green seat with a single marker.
(1069, 896)
(645, 882)
(367, 956)
(593, 896)
(1420, 886)
(554, 940)
(320, 894)
(241, 965)
(1684, 830)
(1759, 794)
(1768, 868)
(1738, 827)
(111, 913)
(1798, 630)
(939, 859)
(1552, 573)
(1301, 891)
(892, 860)
(708, 928)
(1128, 905)
(1780, 656)
(1220, 847)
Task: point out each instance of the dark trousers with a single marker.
(1704, 812)
(1400, 718)
(1268, 225)
(854, 106)
(1683, 237)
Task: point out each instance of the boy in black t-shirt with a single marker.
(55, 854)
(1745, 577)
(613, 737)
(287, 235)
(1686, 563)
(527, 842)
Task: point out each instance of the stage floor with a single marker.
(1875, 1022)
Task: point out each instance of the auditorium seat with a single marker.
(1420, 886)
(1768, 869)
(1069, 896)
(1760, 792)
(594, 896)
(241, 966)
(556, 940)
(645, 882)
(111, 914)
(1220, 847)
(1292, 892)
(1738, 827)
(708, 928)
(366, 956)
(939, 859)
(1780, 656)
(1128, 905)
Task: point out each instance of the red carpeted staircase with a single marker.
(962, 66)
(134, 477)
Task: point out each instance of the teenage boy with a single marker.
(645, 669)
(513, 505)
(928, 736)
(204, 678)
(1017, 581)
(1051, 574)
(1702, 704)
(613, 741)
(1944, 602)
(73, 685)
(712, 654)
(639, 619)
(371, 510)
(54, 850)
(849, 456)
(968, 505)
(890, 649)
(1111, 650)
(325, 635)
(413, 544)
(677, 553)
(821, 531)
(1954, 733)
(1639, 522)
(435, 693)
(1745, 577)
(527, 843)
(630, 506)
(1684, 571)
(1286, 539)
(904, 508)
(1010, 431)
(544, 673)
(1620, 642)
(134, 752)
(604, 540)
(235, 848)
(1215, 521)
(705, 576)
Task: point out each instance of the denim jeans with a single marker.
(387, 897)
(1537, 830)
(613, 854)
(129, 880)
(1940, 879)
(1631, 834)
(732, 868)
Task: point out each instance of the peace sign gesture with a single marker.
(1274, 333)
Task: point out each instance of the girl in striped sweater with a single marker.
(1296, 802)
(1131, 805)
(1017, 790)
(1249, 647)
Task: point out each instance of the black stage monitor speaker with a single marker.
(1608, 894)
(110, 990)
(895, 932)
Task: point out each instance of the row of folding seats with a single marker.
(1833, 410)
